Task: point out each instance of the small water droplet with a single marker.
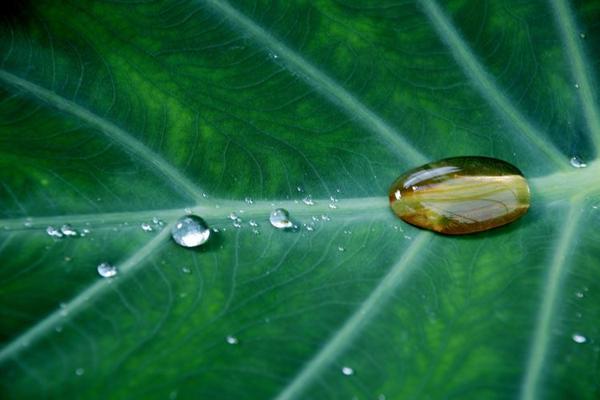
(79, 371)
(280, 219)
(333, 206)
(237, 223)
(253, 223)
(347, 371)
(53, 232)
(233, 216)
(106, 270)
(340, 248)
(190, 231)
(582, 35)
(576, 86)
(186, 270)
(308, 201)
(232, 339)
(187, 210)
(579, 338)
(577, 162)
(84, 232)
(28, 223)
(68, 230)
(249, 201)
(256, 231)
(309, 227)
(146, 227)
(325, 217)
(299, 189)
(579, 295)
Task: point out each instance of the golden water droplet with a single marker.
(461, 195)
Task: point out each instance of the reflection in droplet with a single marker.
(106, 270)
(577, 162)
(347, 371)
(280, 219)
(68, 230)
(233, 216)
(232, 339)
(576, 86)
(579, 338)
(190, 231)
(146, 227)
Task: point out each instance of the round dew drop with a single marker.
(68, 230)
(577, 162)
(347, 371)
(578, 338)
(106, 270)
(190, 231)
(280, 219)
(232, 340)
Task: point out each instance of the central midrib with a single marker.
(559, 186)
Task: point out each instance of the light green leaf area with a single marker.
(116, 112)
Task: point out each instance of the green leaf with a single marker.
(115, 113)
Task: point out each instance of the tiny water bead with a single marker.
(460, 195)
(106, 270)
(578, 338)
(280, 219)
(347, 371)
(190, 231)
(53, 232)
(577, 162)
(68, 230)
(232, 340)
(146, 227)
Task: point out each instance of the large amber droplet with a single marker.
(461, 195)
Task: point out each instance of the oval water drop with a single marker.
(280, 219)
(106, 270)
(347, 371)
(146, 227)
(190, 231)
(460, 195)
